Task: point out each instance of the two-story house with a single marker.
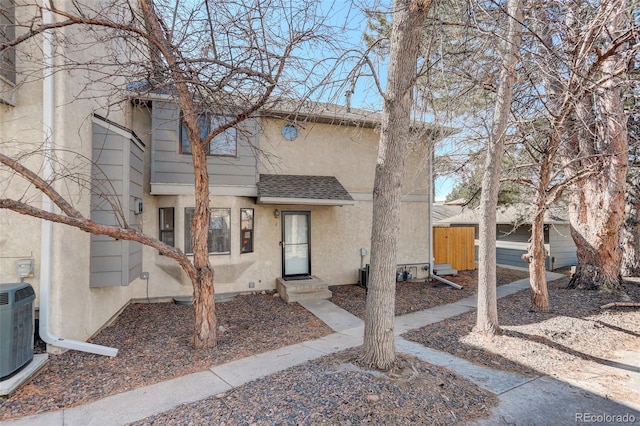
(291, 196)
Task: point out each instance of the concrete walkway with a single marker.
(523, 401)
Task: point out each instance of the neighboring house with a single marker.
(290, 196)
(514, 232)
(442, 211)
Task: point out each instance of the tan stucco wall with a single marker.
(20, 132)
(348, 153)
(337, 233)
(77, 311)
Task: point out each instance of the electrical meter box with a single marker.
(25, 268)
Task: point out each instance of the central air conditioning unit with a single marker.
(16, 327)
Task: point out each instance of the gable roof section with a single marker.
(327, 113)
(441, 212)
(297, 110)
(511, 215)
(302, 189)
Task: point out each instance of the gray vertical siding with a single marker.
(171, 167)
(116, 181)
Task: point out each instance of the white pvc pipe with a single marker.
(446, 281)
(430, 172)
(46, 241)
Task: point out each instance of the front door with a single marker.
(296, 247)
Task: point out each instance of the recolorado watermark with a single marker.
(605, 418)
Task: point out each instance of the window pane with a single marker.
(185, 146)
(166, 225)
(188, 217)
(224, 143)
(246, 230)
(220, 231)
(166, 218)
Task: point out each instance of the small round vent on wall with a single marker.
(289, 132)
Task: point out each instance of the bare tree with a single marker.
(233, 59)
(487, 316)
(597, 204)
(408, 19)
(591, 46)
(630, 235)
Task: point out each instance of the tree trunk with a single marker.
(597, 203)
(630, 235)
(596, 218)
(537, 252)
(487, 316)
(408, 20)
(202, 278)
(536, 256)
(203, 290)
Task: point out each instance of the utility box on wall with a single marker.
(25, 268)
(16, 327)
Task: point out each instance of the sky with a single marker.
(352, 21)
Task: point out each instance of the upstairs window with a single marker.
(225, 144)
(219, 231)
(7, 33)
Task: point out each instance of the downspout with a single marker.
(46, 241)
(431, 260)
(430, 220)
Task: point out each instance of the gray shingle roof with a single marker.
(514, 214)
(440, 212)
(302, 189)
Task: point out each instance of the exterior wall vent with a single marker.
(16, 327)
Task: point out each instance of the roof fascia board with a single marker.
(118, 129)
(305, 201)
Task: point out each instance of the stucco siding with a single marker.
(337, 233)
(76, 311)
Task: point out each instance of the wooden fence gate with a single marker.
(455, 246)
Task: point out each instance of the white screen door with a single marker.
(296, 248)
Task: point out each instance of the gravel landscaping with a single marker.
(576, 341)
(154, 343)
(333, 390)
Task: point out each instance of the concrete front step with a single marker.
(297, 290)
(444, 269)
(443, 272)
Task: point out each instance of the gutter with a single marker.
(46, 242)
